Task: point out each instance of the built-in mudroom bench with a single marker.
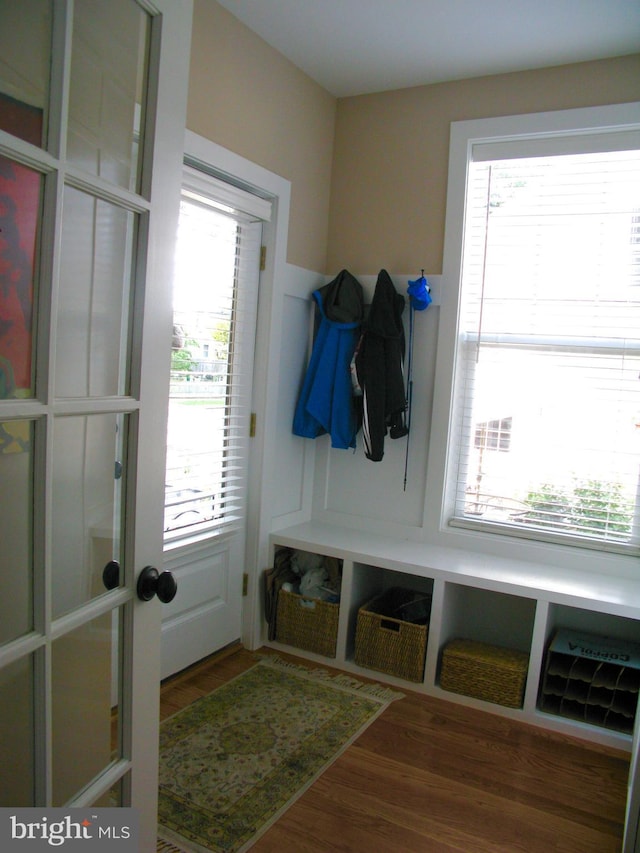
(556, 648)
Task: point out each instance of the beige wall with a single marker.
(376, 199)
(248, 98)
(391, 155)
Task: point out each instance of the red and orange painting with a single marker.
(20, 196)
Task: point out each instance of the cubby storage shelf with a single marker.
(509, 603)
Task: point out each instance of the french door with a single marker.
(92, 102)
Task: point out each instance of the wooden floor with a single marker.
(433, 776)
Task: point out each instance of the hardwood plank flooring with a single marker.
(433, 776)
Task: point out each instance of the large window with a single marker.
(214, 316)
(545, 432)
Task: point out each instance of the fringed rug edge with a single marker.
(342, 680)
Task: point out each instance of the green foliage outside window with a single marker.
(591, 507)
(181, 359)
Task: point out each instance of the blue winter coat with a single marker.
(325, 404)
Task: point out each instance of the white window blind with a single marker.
(215, 303)
(546, 432)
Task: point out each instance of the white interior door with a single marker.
(216, 280)
(92, 102)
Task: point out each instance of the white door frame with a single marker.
(156, 337)
(269, 330)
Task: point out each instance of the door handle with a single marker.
(111, 575)
(151, 582)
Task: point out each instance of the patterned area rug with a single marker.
(234, 761)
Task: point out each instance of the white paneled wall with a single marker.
(343, 486)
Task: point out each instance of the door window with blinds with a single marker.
(214, 317)
(545, 437)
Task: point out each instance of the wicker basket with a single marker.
(307, 623)
(492, 673)
(389, 644)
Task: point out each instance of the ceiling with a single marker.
(353, 47)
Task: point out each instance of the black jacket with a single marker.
(379, 368)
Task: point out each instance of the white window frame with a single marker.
(542, 129)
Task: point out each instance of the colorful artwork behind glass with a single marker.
(15, 436)
(20, 190)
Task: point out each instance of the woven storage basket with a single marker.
(389, 644)
(492, 673)
(307, 623)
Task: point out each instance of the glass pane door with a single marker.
(24, 74)
(77, 189)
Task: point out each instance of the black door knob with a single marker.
(111, 574)
(151, 582)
